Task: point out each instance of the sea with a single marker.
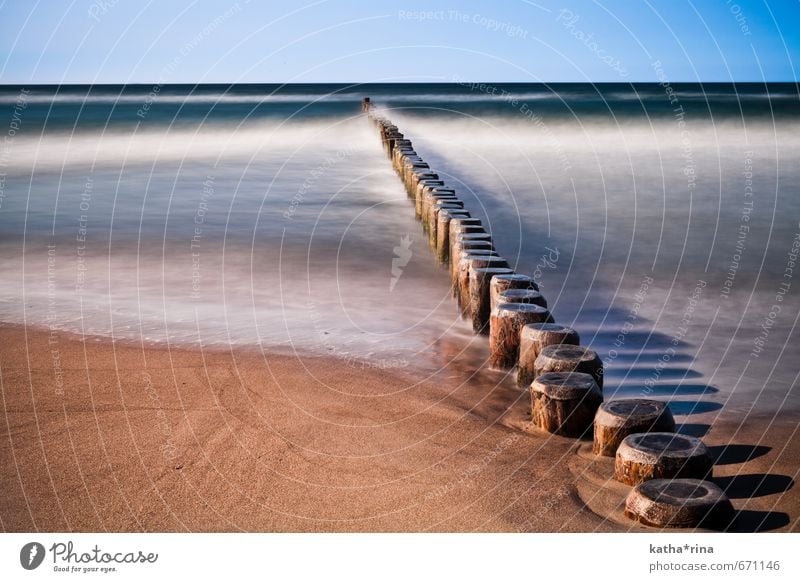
(662, 221)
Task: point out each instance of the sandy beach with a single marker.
(105, 436)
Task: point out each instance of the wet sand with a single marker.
(105, 436)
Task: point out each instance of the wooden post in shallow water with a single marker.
(418, 192)
(464, 233)
(419, 176)
(481, 247)
(533, 339)
(429, 198)
(479, 280)
(433, 218)
(679, 503)
(389, 142)
(432, 197)
(443, 233)
(565, 402)
(462, 225)
(403, 156)
(522, 296)
(466, 264)
(459, 226)
(401, 144)
(460, 239)
(457, 247)
(476, 245)
(661, 455)
(391, 138)
(505, 323)
(511, 281)
(427, 192)
(460, 242)
(411, 165)
(569, 358)
(618, 419)
(400, 157)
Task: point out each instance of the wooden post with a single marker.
(685, 503)
(417, 194)
(618, 419)
(430, 196)
(443, 234)
(522, 296)
(506, 321)
(422, 184)
(661, 455)
(456, 249)
(391, 138)
(565, 402)
(462, 225)
(430, 201)
(410, 166)
(458, 241)
(409, 163)
(533, 339)
(426, 193)
(569, 358)
(467, 262)
(403, 155)
(476, 233)
(479, 279)
(418, 176)
(402, 144)
(460, 253)
(473, 245)
(511, 281)
(433, 218)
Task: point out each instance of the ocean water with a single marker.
(662, 222)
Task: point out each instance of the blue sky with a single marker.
(108, 41)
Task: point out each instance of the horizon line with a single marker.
(359, 83)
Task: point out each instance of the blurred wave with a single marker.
(268, 216)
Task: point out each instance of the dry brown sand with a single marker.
(134, 438)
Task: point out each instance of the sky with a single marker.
(252, 41)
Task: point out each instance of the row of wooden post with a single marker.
(565, 380)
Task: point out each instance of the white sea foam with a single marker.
(296, 244)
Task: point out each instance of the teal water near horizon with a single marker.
(662, 221)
